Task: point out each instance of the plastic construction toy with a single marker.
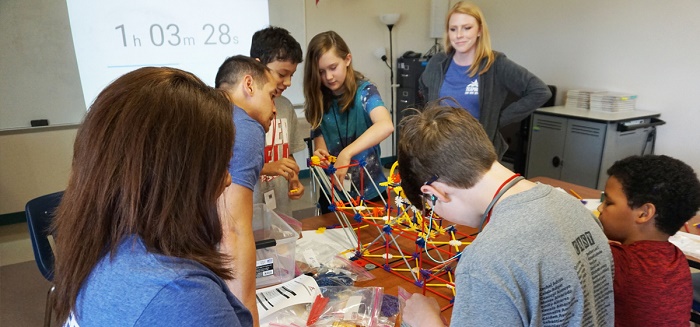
(406, 242)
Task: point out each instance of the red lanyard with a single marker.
(496, 197)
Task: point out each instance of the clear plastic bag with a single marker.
(403, 296)
(312, 256)
(293, 316)
(293, 223)
(339, 271)
(389, 312)
(349, 306)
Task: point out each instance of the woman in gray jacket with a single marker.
(494, 89)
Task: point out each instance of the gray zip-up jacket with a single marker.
(504, 82)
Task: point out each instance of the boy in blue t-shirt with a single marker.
(251, 88)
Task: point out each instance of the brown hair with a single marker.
(443, 141)
(483, 43)
(149, 160)
(317, 96)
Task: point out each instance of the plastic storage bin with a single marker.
(275, 242)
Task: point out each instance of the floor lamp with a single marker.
(390, 20)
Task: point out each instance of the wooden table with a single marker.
(391, 282)
(584, 192)
(385, 279)
(589, 193)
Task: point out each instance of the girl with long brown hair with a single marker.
(346, 113)
(138, 230)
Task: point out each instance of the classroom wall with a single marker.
(33, 163)
(642, 46)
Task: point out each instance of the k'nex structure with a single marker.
(405, 241)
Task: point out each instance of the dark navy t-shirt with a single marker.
(462, 87)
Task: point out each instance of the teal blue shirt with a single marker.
(340, 129)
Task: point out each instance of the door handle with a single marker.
(556, 161)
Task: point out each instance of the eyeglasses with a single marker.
(431, 179)
(426, 199)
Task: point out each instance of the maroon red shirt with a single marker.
(652, 285)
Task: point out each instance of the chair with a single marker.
(312, 178)
(39, 213)
(694, 316)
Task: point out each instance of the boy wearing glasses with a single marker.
(541, 259)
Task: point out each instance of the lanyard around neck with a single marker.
(337, 126)
(510, 182)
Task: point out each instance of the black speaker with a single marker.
(409, 68)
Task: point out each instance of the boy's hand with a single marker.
(296, 189)
(422, 311)
(285, 167)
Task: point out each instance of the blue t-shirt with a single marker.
(248, 150)
(340, 129)
(463, 88)
(140, 288)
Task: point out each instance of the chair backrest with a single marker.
(40, 212)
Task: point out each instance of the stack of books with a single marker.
(579, 99)
(613, 101)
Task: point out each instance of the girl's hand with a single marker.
(342, 161)
(323, 155)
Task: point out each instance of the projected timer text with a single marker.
(171, 35)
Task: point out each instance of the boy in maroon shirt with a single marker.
(646, 200)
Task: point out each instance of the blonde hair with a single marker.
(317, 96)
(483, 43)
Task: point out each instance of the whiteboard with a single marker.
(40, 78)
(37, 64)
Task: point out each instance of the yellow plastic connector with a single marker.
(315, 160)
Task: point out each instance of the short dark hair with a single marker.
(235, 68)
(444, 141)
(275, 43)
(668, 183)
